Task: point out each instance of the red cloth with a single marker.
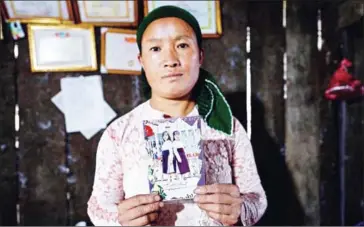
(343, 86)
(148, 131)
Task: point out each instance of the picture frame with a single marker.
(107, 13)
(39, 12)
(207, 13)
(62, 48)
(115, 42)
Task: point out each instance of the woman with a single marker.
(170, 43)
(167, 156)
(182, 164)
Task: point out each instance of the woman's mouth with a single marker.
(172, 75)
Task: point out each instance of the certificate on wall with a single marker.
(119, 52)
(62, 48)
(107, 13)
(207, 13)
(50, 12)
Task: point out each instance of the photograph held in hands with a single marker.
(174, 146)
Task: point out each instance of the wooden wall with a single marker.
(294, 139)
(8, 176)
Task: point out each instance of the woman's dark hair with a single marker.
(175, 133)
(165, 132)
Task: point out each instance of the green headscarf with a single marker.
(211, 103)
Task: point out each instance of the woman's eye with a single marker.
(155, 49)
(183, 45)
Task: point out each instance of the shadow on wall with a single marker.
(283, 205)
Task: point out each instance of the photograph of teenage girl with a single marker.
(168, 157)
(155, 150)
(182, 165)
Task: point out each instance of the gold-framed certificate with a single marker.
(107, 13)
(48, 12)
(207, 13)
(62, 48)
(119, 52)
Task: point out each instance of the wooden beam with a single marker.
(8, 173)
(355, 143)
(42, 146)
(268, 112)
(329, 59)
(302, 109)
(267, 51)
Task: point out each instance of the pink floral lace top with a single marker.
(121, 171)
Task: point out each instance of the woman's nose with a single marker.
(171, 59)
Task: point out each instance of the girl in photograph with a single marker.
(155, 150)
(168, 157)
(166, 149)
(182, 164)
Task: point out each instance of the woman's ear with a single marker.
(202, 56)
(140, 59)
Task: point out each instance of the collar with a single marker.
(152, 113)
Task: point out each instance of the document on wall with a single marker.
(82, 103)
(58, 54)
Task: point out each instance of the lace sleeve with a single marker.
(107, 188)
(247, 178)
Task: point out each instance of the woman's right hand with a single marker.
(139, 210)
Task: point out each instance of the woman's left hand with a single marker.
(222, 202)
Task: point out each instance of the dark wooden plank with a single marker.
(82, 168)
(42, 146)
(268, 112)
(329, 176)
(226, 57)
(302, 107)
(8, 177)
(359, 73)
(267, 51)
(355, 135)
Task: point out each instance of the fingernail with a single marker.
(157, 198)
(161, 204)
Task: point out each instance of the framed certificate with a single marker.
(62, 48)
(49, 12)
(119, 52)
(207, 13)
(107, 13)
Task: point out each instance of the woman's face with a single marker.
(170, 57)
(165, 136)
(176, 136)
